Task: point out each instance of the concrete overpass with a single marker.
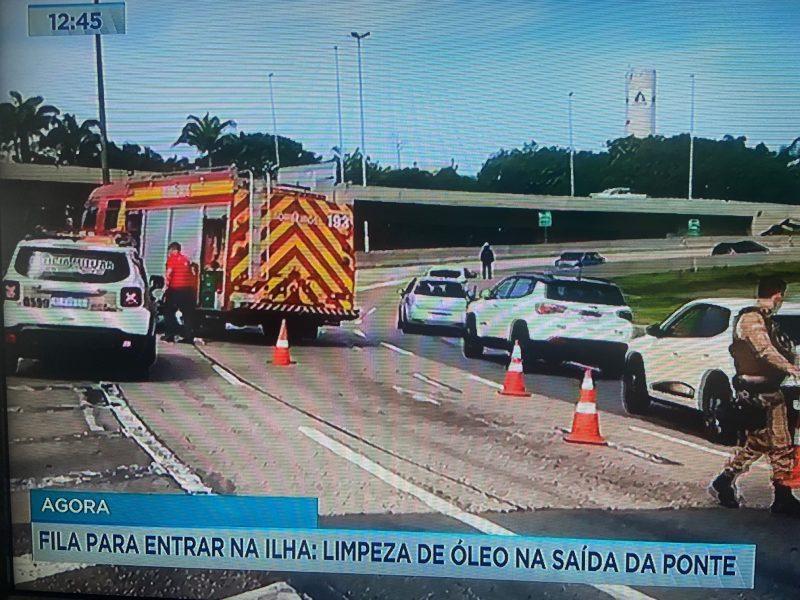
(762, 214)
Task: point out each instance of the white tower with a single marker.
(640, 102)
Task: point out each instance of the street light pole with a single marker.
(339, 106)
(274, 123)
(397, 145)
(360, 37)
(101, 104)
(691, 140)
(571, 152)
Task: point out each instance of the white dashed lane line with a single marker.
(491, 384)
(618, 592)
(227, 375)
(419, 397)
(689, 444)
(394, 348)
(434, 383)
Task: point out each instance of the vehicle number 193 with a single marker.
(339, 221)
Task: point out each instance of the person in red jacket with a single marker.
(179, 295)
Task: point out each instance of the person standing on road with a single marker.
(179, 295)
(487, 258)
(763, 356)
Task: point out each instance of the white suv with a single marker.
(65, 293)
(685, 360)
(553, 317)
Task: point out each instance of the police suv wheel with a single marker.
(719, 428)
(470, 346)
(635, 399)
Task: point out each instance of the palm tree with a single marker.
(205, 134)
(27, 120)
(73, 143)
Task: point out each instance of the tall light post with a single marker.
(101, 105)
(339, 106)
(691, 140)
(274, 123)
(571, 152)
(359, 37)
(398, 145)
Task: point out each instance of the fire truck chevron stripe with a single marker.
(306, 240)
(314, 240)
(320, 269)
(309, 269)
(326, 260)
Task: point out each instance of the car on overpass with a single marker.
(553, 317)
(685, 360)
(618, 193)
(743, 247)
(578, 260)
(432, 302)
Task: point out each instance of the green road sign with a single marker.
(545, 218)
(694, 227)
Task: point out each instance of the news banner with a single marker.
(282, 534)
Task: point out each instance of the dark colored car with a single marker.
(574, 260)
(743, 247)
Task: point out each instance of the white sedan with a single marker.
(460, 274)
(685, 360)
(430, 301)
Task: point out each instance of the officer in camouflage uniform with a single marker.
(763, 357)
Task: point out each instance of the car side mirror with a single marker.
(486, 294)
(156, 282)
(654, 330)
(400, 291)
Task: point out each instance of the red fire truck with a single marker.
(263, 252)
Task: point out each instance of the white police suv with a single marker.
(71, 293)
(685, 360)
(552, 317)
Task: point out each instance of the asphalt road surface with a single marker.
(363, 401)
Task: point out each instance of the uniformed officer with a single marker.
(763, 356)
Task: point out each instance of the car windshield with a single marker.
(442, 289)
(585, 292)
(571, 255)
(446, 273)
(67, 264)
(790, 325)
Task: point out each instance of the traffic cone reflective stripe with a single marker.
(586, 421)
(514, 385)
(281, 356)
(588, 393)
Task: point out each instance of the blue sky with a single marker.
(451, 79)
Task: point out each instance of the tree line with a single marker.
(34, 132)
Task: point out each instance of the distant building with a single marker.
(640, 102)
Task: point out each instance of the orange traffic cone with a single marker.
(794, 479)
(514, 384)
(280, 355)
(585, 423)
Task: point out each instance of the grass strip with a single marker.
(653, 296)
